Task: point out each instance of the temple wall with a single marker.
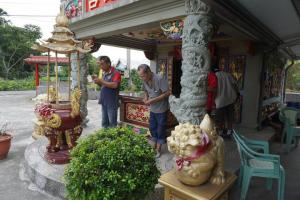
(252, 77)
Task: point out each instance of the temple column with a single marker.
(197, 31)
(83, 83)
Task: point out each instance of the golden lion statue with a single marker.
(199, 153)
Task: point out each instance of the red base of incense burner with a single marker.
(62, 138)
(60, 157)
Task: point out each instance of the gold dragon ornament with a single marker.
(54, 121)
(75, 102)
(199, 153)
(52, 94)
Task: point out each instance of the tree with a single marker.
(33, 32)
(92, 63)
(2, 19)
(15, 45)
(293, 78)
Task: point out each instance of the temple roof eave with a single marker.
(64, 40)
(59, 49)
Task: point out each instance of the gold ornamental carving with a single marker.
(75, 102)
(73, 135)
(52, 94)
(54, 121)
(59, 141)
(39, 128)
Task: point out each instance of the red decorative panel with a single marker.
(137, 113)
(96, 4)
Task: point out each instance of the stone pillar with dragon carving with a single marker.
(198, 148)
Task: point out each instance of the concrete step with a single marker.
(47, 177)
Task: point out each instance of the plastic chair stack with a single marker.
(258, 164)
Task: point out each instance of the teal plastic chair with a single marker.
(291, 132)
(256, 145)
(259, 165)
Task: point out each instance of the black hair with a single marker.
(106, 59)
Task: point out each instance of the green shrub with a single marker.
(45, 78)
(111, 164)
(17, 85)
(124, 84)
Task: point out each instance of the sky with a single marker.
(45, 11)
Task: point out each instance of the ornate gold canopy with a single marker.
(62, 40)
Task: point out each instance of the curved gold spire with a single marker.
(61, 19)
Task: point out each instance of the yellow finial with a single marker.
(61, 18)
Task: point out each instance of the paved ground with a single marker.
(17, 108)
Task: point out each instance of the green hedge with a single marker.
(17, 85)
(112, 164)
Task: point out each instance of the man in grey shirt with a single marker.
(156, 95)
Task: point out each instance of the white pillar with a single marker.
(128, 65)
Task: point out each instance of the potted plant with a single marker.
(114, 164)
(5, 140)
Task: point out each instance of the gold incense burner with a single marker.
(61, 119)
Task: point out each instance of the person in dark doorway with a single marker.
(110, 83)
(156, 95)
(226, 96)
